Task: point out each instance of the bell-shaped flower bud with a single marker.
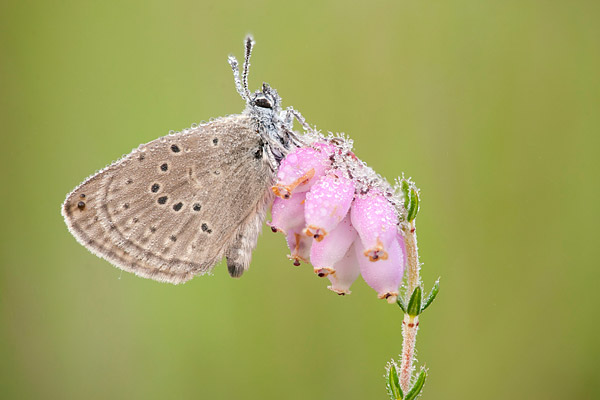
(326, 253)
(327, 204)
(299, 170)
(384, 276)
(346, 271)
(288, 214)
(299, 245)
(376, 222)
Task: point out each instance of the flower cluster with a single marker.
(340, 216)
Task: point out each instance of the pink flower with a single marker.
(375, 219)
(327, 204)
(299, 245)
(288, 214)
(346, 270)
(326, 223)
(384, 276)
(299, 170)
(326, 148)
(326, 253)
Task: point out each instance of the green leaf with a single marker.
(416, 389)
(414, 304)
(405, 189)
(413, 208)
(401, 304)
(432, 295)
(394, 384)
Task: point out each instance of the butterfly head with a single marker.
(264, 101)
(276, 125)
(267, 99)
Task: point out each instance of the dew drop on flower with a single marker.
(327, 204)
(375, 219)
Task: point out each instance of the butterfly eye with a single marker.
(263, 102)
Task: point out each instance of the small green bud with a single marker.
(410, 198)
(413, 208)
(405, 188)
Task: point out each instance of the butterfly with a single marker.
(174, 207)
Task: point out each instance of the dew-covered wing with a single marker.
(170, 209)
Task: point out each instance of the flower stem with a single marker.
(412, 253)
(410, 325)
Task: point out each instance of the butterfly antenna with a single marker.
(236, 77)
(249, 44)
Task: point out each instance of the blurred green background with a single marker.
(492, 107)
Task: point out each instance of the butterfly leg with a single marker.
(288, 116)
(291, 113)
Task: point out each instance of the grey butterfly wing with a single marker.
(176, 206)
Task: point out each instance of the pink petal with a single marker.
(327, 252)
(384, 276)
(375, 219)
(327, 204)
(299, 246)
(299, 170)
(346, 271)
(288, 214)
